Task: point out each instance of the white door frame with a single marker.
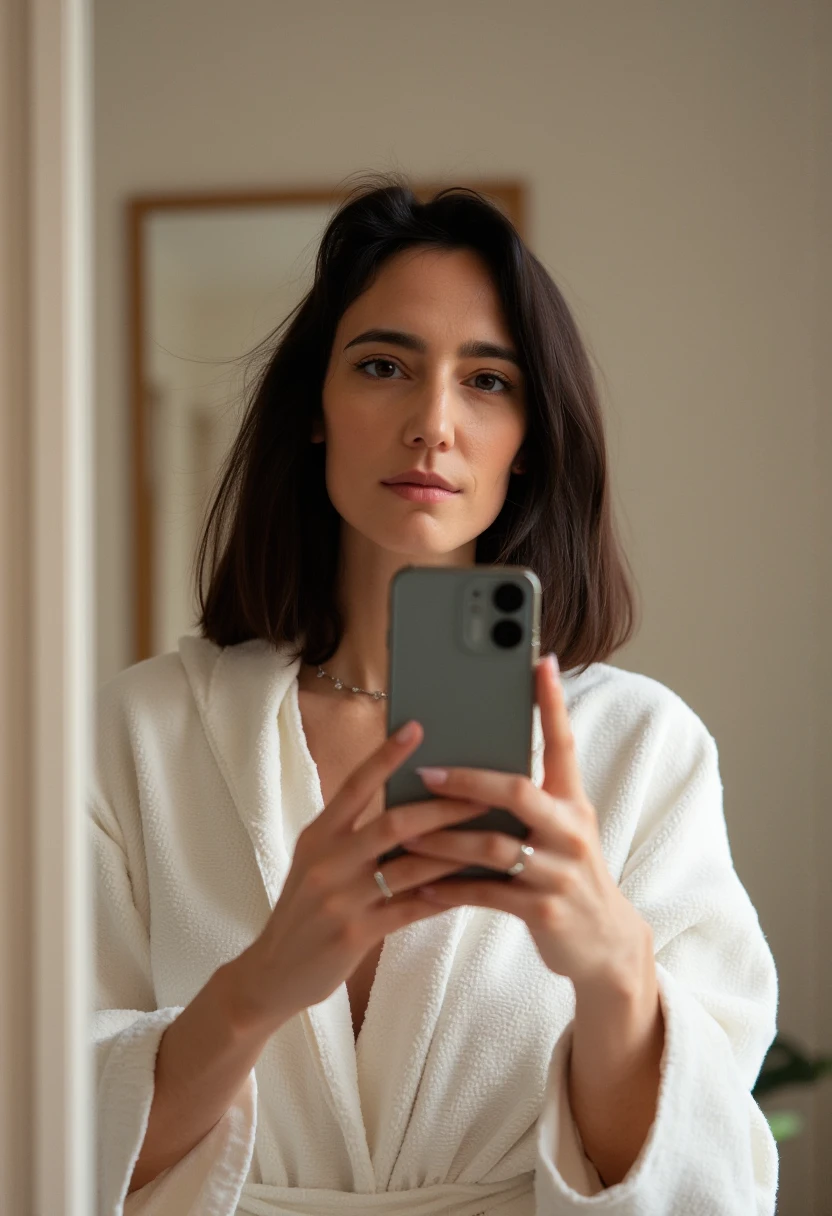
(46, 603)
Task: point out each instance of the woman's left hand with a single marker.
(584, 928)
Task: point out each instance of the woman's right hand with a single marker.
(330, 912)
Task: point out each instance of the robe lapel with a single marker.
(238, 691)
(246, 696)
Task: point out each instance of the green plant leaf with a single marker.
(785, 1124)
(787, 1064)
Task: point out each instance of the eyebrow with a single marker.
(472, 350)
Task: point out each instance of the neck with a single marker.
(364, 591)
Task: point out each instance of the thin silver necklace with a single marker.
(377, 696)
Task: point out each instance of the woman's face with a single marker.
(413, 398)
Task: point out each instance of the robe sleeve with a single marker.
(709, 1151)
(127, 1029)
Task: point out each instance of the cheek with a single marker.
(492, 449)
(349, 423)
(353, 444)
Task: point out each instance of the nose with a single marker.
(430, 423)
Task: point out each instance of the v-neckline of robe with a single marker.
(356, 1071)
(314, 781)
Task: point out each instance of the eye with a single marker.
(494, 376)
(384, 362)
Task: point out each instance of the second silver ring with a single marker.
(526, 850)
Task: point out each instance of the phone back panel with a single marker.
(474, 698)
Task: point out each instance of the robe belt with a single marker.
(512, 1197)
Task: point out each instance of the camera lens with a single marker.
(508, 597)
(506, 634)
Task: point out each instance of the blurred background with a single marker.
(671, 165)
(668, 158)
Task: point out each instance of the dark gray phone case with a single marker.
(476, 707)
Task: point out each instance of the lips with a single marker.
(418, 477)
(420, 493)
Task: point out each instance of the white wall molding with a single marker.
(61, 352)
(16, 1005)
(45, 607)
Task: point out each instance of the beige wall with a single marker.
(668, 151)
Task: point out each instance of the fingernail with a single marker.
(434, 775)
(553, 663)
(406, 733)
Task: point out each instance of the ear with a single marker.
(519, 465)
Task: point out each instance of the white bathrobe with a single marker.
(453, 1100)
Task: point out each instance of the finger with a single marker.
(353, 796)
(348, 868)
(404, 876)
(410, 819)
(501, 896)
(544, 870)
(351, 868)
(561, 775)
(554, 821)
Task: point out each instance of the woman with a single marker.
(282, 1026)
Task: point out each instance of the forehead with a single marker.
(438, 286)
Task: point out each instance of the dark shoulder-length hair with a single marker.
(267, 559)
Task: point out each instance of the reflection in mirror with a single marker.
(211, 278)
(218, 282)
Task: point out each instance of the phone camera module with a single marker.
(508, 597)
(506, 634)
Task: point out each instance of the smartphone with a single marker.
(463, 645)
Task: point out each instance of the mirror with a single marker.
(210, 276)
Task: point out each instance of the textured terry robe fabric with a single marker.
(454, 1098)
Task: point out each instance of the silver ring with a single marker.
(526, 850)
(383, 887)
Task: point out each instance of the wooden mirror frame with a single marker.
(509, 195)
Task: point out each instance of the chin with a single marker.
(416, 535)
(421, 539)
